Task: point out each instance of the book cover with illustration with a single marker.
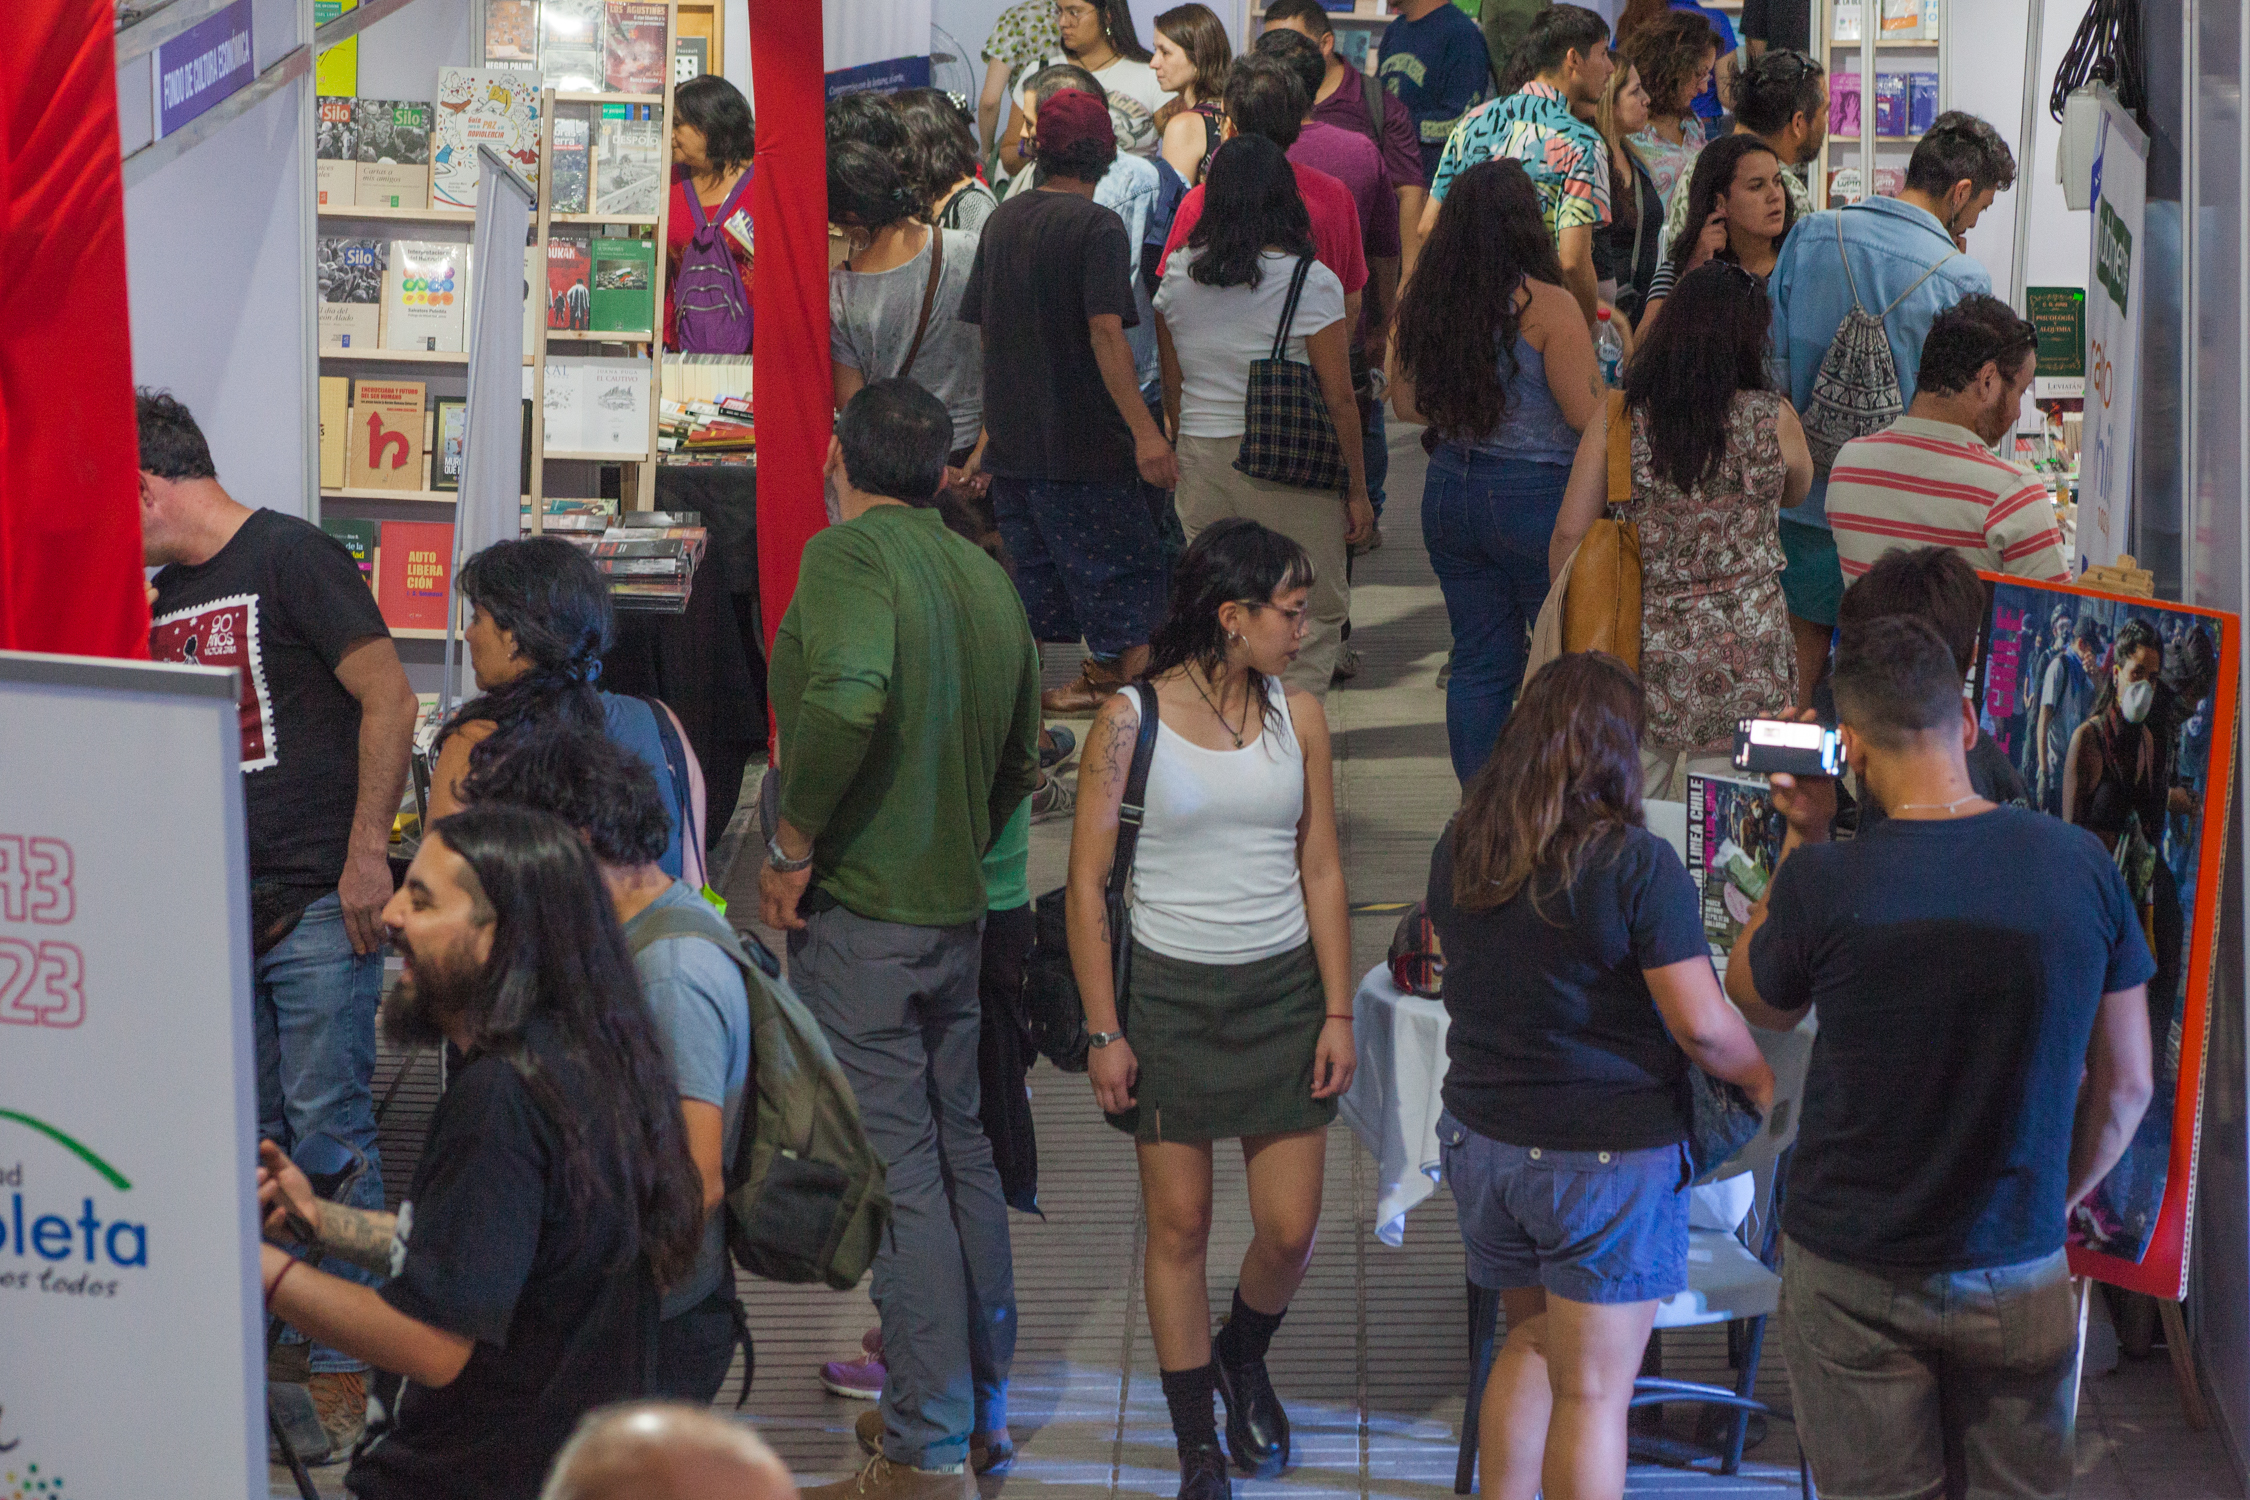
(335, 151)
(481, 107)
(415, 574)
(1921, 102)
(570, 302)
(426, 296)
(384, 449)
(633, 47)
(394, 153)
(570, 45)
(624, 286)
(1843, 104)
(573, 157)
(629, 160)
(511, 33)
(1890, 104)
(350, 272)
(1734, 845)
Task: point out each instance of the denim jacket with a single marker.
(1887, 244)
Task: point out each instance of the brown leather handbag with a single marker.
(1595, 603)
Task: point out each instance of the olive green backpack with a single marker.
(805, 1195)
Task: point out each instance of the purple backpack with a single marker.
(711, 312)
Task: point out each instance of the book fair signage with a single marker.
(203, 65)
(128, 1226)
(2158, 793)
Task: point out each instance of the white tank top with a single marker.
(1215, 875)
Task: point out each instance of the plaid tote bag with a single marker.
(1287, 437)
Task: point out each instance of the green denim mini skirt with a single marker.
(1225, 1050)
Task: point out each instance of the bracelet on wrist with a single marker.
(1344, 1016)
(279, 1277)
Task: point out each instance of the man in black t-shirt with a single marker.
(1070, 443)
(327, 722)
(554, 1195)
(1971, 963)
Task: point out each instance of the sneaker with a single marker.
(341, 1400)
(989, 1452)
(883, 1480)
(1347, 664)
(854, 1379)
(1056, 745)
(1054, 799)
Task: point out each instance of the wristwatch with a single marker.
(1103, 1038)
(781, 863)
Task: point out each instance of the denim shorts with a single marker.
(1589, 1226)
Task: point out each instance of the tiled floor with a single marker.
(1372, 1360)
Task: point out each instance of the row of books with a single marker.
(384, 435)
(649, 558)
(1905, 103)
(376, 153)
(579, 46)
(721, 426)
(380, 294)
(409, 565)
(1895, 20)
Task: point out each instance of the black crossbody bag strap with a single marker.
(1130, 811)
(1289, 308)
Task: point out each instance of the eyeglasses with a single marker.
(1074, 12)
(1295, 617)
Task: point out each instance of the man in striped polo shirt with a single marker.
(1931, 478)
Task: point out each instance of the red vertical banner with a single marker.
(70, 524)
(789, 208)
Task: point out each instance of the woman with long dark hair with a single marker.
(1717, 454)
(540, 620)
(555, 1197)
(1737, 198)
(713, 140)
(1580, 988)
(1238, 1016)
(1226, 294)
(1191, 61)
(1492, 352)
(940, 161)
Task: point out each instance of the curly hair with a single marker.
(941, 145)
(1460, 307)
(1670, 51)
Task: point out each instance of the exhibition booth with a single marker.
(261, 205)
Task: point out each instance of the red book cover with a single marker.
(417, 574)
(570, 290)
(633, 47)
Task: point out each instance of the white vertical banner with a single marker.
(2113, 338)
(128, 1207)
(490, 505)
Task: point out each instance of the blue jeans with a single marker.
(1378, 453)
(1089, 560)
(1486, 522)
(313, 1014)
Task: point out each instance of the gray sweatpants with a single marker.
(899, 1005)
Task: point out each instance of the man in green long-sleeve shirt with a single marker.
(906, 685)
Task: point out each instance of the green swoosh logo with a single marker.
(70, 1143)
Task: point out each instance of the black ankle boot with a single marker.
(1203, 1475)
(1257, 1427)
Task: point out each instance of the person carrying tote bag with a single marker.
(1594, 601)
(1255, 350)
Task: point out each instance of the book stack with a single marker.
(707, 431)
(651, 565)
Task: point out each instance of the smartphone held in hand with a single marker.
(1770, 745)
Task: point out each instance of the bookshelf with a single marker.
(1865, 55)
(446, 369)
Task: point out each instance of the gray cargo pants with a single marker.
(899, 1005)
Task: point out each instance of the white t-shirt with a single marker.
(1134, 98)
(1219, 331)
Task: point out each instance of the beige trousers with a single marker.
(1212, 489)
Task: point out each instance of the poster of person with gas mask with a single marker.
(2120, 713)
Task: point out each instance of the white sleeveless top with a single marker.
(1215, 875)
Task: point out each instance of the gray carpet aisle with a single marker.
(1372, 1361)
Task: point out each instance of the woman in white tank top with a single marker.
(1237, 1019)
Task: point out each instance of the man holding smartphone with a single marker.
(1971, 963)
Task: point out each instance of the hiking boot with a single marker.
(883, 1480)
(1054, 799)
(1203, 1476)
(1096, 680)
(989, 1452)
(340, 1397)
(1257, 1427)
(854, 1379)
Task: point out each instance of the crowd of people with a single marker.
(1113, 351)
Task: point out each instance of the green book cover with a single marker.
(360, 539)
(624, 288)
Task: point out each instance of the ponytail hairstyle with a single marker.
(556, 603)
(1564, 779)
(1235, 561)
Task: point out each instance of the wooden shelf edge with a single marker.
(597, 458)
(408, 215)
(416, 633)
(601, 335)
(626, 219)
(418, 497)
(561, 98)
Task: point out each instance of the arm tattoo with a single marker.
(358, 1235)
(1115, 755)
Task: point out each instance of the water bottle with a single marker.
(1609, 349)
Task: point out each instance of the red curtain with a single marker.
(70, 525)
(789, 206)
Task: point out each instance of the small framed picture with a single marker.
(452, 429)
